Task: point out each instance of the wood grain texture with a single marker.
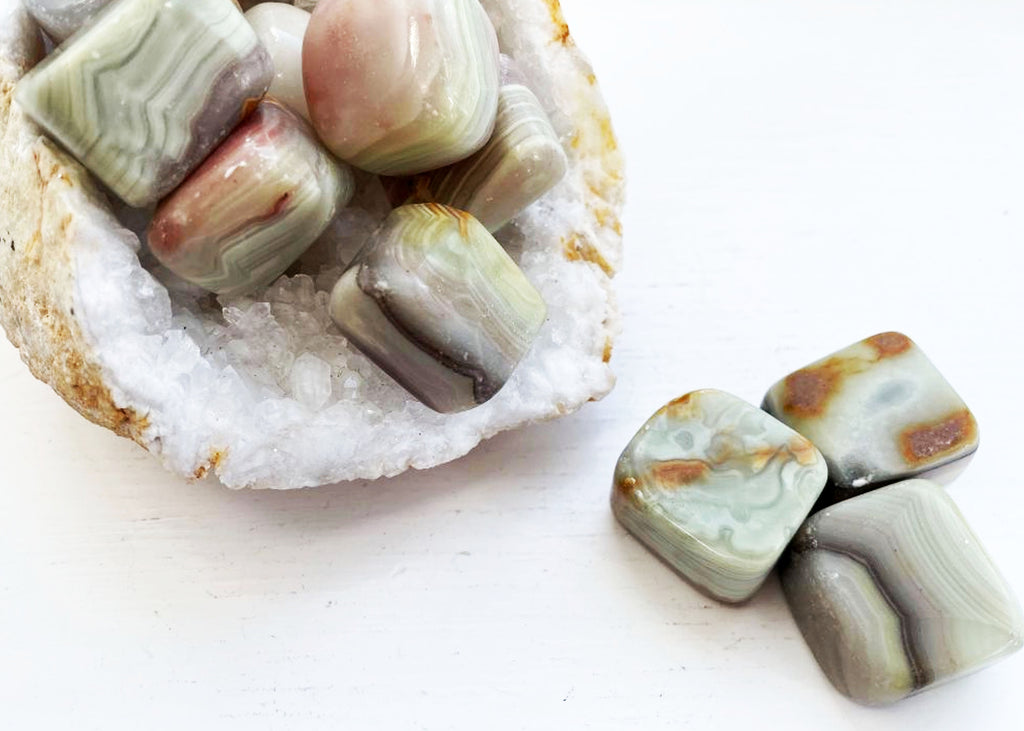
(802, 175)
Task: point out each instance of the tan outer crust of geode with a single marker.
(52, 220)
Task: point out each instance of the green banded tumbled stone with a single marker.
(437, 304)
(148, 89)
(716, 488)
(894, 594)
(521, 162)
(880, 412)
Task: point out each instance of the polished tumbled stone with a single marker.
(521, 162)
(142, 94)
(437, 304)
(894, 594)
(716, 488)
(401, 87)
(880, 412)
(253, 207)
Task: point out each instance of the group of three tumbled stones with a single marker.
(887, 583)
(408, 88)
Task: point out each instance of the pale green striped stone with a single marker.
(436, 302)
(894, 594)
(148, 89)
(521, 162)
(716, 488)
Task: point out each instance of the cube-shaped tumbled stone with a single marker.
(253, 207)
(894, 594)
(436, 302)
(716, 488)
(880, 412)
(148, 89)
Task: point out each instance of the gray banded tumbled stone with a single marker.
(880, 412)
(894, 594)
(716, 488)
(61, 18)
(253, 207)
(436, 302)
(143, 93)
(521, 162)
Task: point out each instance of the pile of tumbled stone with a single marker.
(246, 131)
(889, 586)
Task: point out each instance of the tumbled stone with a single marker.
(253, 207)
(880, 412)
(281, 29)
(716, 488)
(521, 162)
(438, 305)
(401, 87)
(894, 594)
(145, 92)
(61, 18)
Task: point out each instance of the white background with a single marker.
(801, 174)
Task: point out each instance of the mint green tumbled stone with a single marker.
(145, 92)
(436, 302)
(716, 488)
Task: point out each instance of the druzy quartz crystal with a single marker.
(522, 160)
(144, 92)
(253, 207)
(880, 412)
(716, 488)
(401, 87)
(894, 594)
(436, 302)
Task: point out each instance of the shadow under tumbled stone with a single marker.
(894, 594)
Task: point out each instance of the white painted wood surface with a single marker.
(803, 173)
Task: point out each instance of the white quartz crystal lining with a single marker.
(243, 391)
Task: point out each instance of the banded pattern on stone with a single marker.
(716, 488)
(894, 594)
(880, 412)
(418, 91)
(145, 92)
(521, 162)
(436, 302)
(253, 207)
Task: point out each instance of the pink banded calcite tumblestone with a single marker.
(253, 207)
(401, 87)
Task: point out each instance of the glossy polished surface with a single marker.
(880, 412)
(281, 28)
(894, 594)
(253, 207)
(401, 87)
(716, 488)
(521, 162)
(436, 302)
(144, 93)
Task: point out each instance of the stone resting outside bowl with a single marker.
(107, 335)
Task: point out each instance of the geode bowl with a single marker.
(239, 390)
